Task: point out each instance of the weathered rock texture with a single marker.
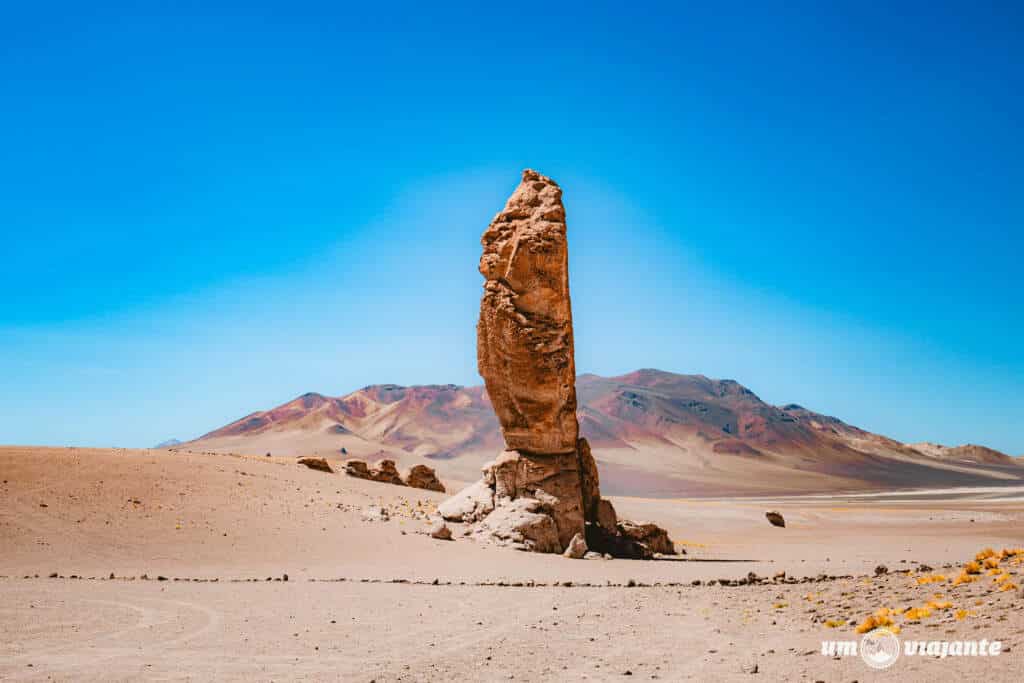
(385, 471)
(423, 477)
(543, 492)
(524, 337)
(315, 464)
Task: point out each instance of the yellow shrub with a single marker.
(963, 578)
(939, 604)
(917, 613)
(1008, 587)
(933, 578)
(877, 620)
(834, 623)
(986, 553)
(972, 568)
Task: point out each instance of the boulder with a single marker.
(553, 479)
(315, 464)
(387, 473)
(357, 468)
(522, 522)
(423, 477)
(441, 532)
(650, 535)
(469, 505)
(775, 518)
(613, 543)
(577, 548)
(384, 472)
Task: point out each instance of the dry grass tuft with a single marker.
(931, 578)
(877, 620)
(964, 578)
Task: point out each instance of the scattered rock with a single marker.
(881, 570)
(387, 473)
(577, 548)
(315, 464)
(441, 532)
(358, 469)
(384, 472)
(775, 518)
(375, 513)
(423, 477)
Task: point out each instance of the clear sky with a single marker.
(208, 209)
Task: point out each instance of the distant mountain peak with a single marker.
(644, 420)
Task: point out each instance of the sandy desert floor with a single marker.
(119, 565)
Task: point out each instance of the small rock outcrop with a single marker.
(315, 464)
(775, 518)
(543, 492)
(385, 471)
(651, 536)
(441, 532)
(423, 477)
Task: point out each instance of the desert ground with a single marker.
(128, 564)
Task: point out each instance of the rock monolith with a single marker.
(543, 490)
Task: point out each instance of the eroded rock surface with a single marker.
(423, 477)
(385, 471)
(315, 464)
(524, 336)
(543, 492)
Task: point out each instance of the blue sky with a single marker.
(208, 209)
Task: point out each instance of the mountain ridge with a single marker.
(694, 433)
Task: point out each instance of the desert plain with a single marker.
(176, 565)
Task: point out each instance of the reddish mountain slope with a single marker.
(653, 432)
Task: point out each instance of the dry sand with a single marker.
(361, 602)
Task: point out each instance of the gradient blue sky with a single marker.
(208, 209)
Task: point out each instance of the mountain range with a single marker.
(653, 433)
